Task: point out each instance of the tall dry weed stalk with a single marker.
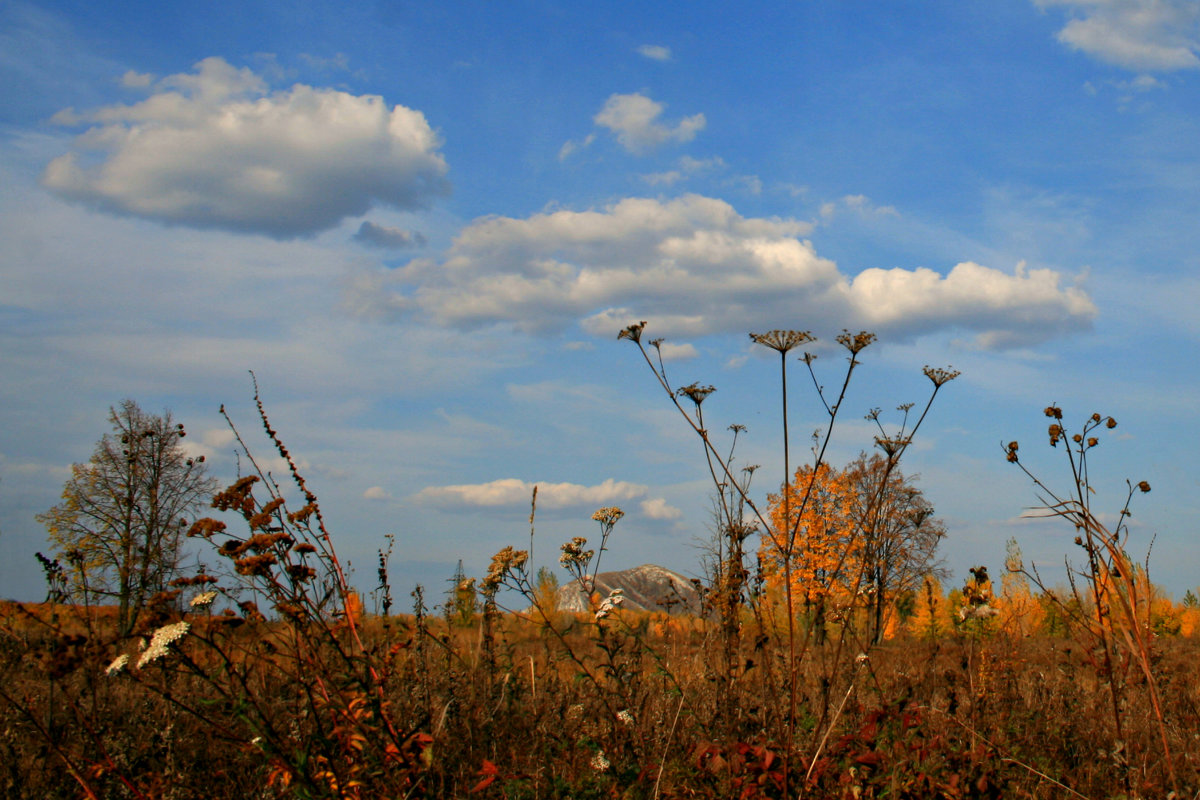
(1112, 611)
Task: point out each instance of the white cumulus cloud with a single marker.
(1157, 35)
(216, 148)
(658, 508)
(693, 266)
(513, 491)
(634, 118)
(376, 493)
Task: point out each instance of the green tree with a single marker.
(124, 513)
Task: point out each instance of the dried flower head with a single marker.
(855, 342)
(625, 717)
(1144, 486)
(695, 392)
(255, 565)
(1092, 441)
(504, 563)
(608, 515)
(206, 527)
(1056, 432)
(573, 554)
(599, 762)
(1112, 423)
(782, 340)
(1053, 411)
(940, 375)
(892, 445)
(633, 332)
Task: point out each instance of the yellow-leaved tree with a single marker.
(859, 538)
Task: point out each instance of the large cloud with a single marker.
(694, 266)
(1161, 35)
(217, 149)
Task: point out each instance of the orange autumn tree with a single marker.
(866, 536)
(823, 560)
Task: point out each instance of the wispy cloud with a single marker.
(216, 148)
(1153, 35)
(655, 52)
(513, 491)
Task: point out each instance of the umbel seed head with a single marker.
(782, 340)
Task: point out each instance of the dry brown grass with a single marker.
(965, 716)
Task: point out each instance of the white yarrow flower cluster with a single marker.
(599, 762)
(203, 600)
(624, 717)
(162, 640)
(117, 665)
(614, 599)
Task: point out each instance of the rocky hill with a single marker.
(646, 588)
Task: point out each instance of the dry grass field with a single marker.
(635, 705)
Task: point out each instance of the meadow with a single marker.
(266, 675)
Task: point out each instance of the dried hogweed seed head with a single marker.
(695, 392)
(855, 342)
(782, 340)
(940, 375)
(633, 332)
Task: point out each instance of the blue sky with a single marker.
(422, 225)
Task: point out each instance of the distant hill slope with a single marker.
(646, 588)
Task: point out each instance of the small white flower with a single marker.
(162, 640)
(203, 600)
(599, 762)
(117, 665)
(624, 717)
